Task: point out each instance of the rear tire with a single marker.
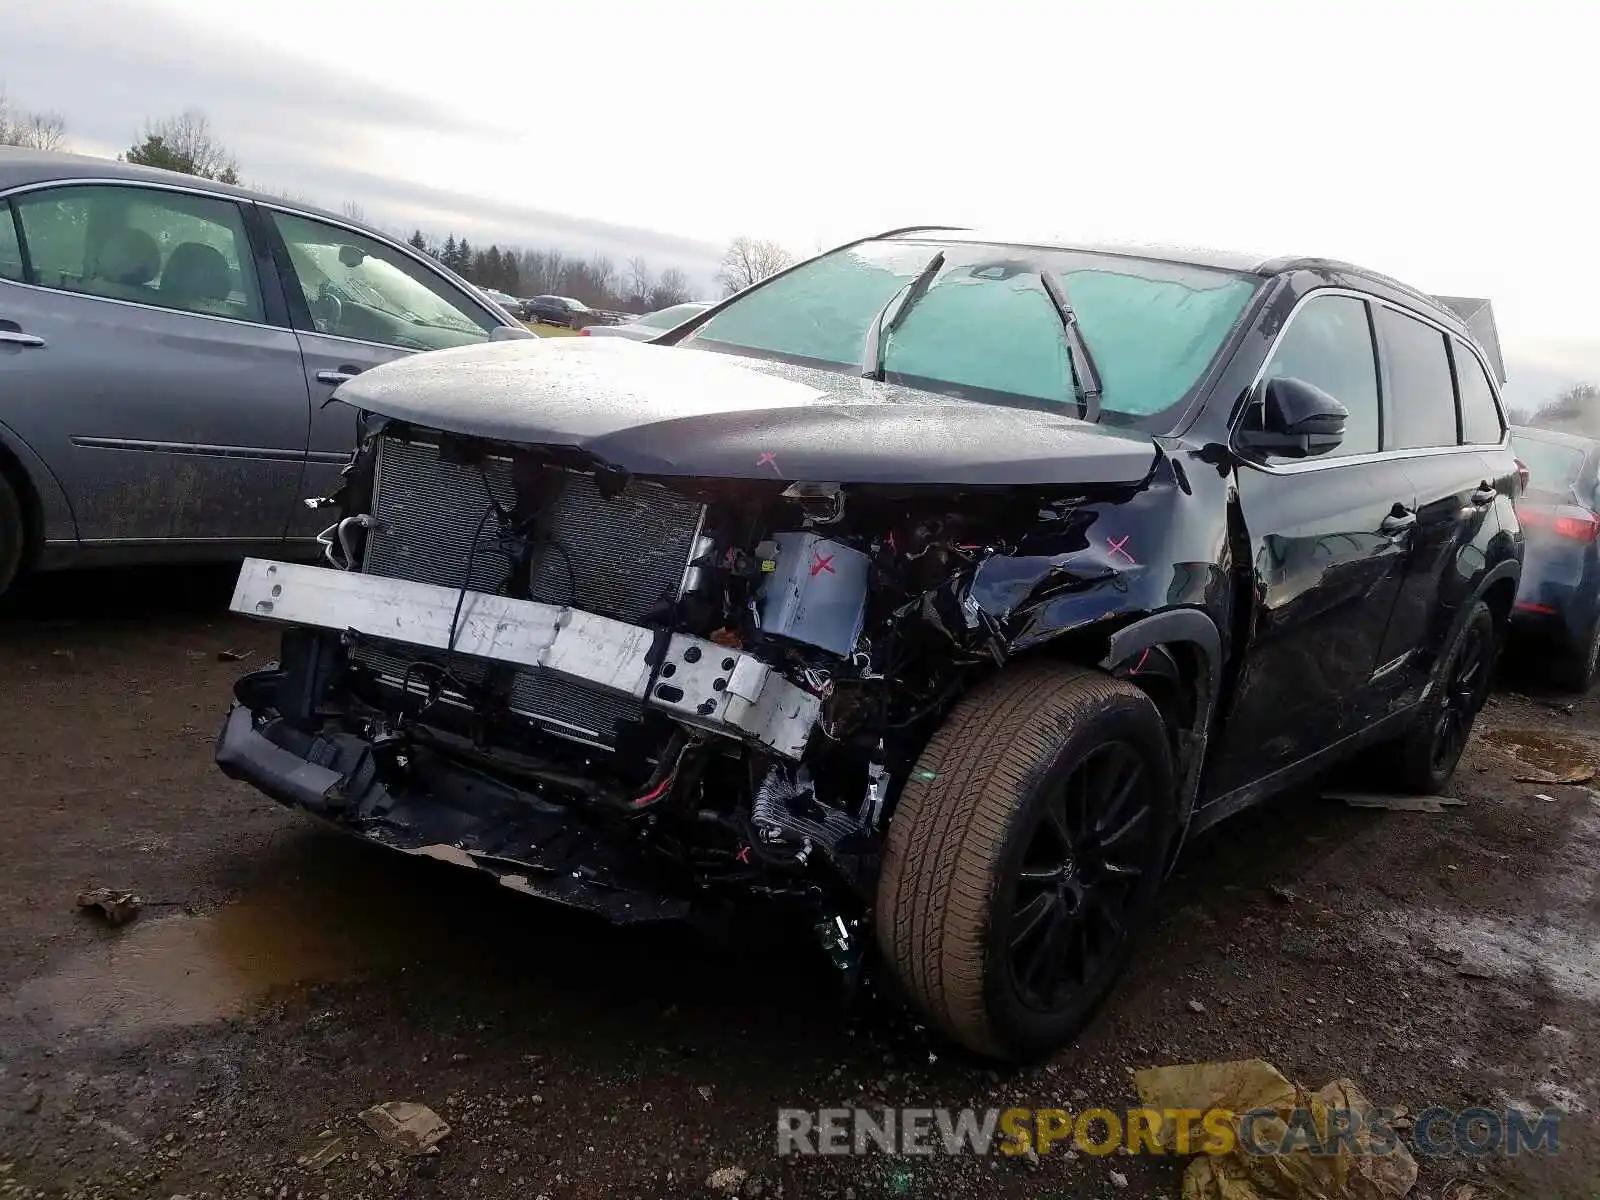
(1576, 671)
(1426, 756)
(13, 534)
(1025, 856)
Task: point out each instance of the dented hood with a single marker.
(661, 410)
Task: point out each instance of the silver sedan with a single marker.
(167, 349)
(642, 329)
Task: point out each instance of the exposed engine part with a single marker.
(786, 811)
(839, 939)
(821, 503)
(336, 544)
(817, 593)
(877, 790)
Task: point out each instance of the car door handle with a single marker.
(1398, 521)
(1484, 495)
(339, 376)
(15, 337)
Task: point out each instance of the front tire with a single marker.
(1576, 672)
(1025, 856)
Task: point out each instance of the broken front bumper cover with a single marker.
(695, 681)
(442, 813)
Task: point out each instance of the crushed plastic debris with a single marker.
(113, 906)
(326, 1149)
(1253, 1085)
(1570, 779)
(407, 1127)
(232, 655)
(727, 1180)
(1396, 803)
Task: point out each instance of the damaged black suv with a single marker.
(939, 586)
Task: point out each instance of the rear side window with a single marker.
(1422, 393)
(10, 246)
(1480, 416)
(1329, 344)
(146, 245)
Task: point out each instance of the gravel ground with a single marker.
(283, 978)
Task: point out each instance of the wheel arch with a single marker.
(18, 478)
(47, 512)
(1176, 658)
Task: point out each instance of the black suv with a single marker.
(938, 586)
(557, 310)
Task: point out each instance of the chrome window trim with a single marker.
(1304, 465)
(203, 193)
(160, 308)
(400, 248)
(199, 189)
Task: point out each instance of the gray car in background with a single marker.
(642, 329)
(167, 349)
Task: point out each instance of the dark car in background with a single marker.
(1558, 602)
(937, 587)
(558, 310)
(167, 349)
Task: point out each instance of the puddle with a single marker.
(346, 910)
(171, 971)
(1556, 755)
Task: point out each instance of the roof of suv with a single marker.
(1197, 256)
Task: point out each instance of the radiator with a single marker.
(619, 557)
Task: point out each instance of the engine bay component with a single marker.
(816, 593)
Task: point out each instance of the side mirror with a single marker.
(1294, 419)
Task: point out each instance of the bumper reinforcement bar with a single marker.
(696, 681)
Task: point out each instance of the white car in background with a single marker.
(642, 329)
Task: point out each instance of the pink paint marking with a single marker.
(769, 459)
(1116, 545)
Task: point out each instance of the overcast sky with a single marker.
(1448, 144)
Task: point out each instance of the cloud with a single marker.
(295, 126)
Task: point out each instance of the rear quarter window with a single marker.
(1480, 416)
(1422, 392)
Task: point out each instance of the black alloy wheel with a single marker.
(1068, 903)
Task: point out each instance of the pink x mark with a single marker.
(1117, 544)
(769, 459)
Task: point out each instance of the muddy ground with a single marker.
(283, 978)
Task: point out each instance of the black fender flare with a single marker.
(1194, 627)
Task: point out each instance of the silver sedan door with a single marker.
(358, 302)
(142, 369)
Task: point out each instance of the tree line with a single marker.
(185, 142)
(595, 280)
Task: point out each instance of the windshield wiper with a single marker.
(892, 314)
(1085, 375)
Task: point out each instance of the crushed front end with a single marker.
(632, 696)
(648, 697)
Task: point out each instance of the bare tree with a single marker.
(185, 143)
(641, 281)
(749, 261)
(31, 130)
(354, 211)
(602, 278)
(672, 288)
(1577, 409)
